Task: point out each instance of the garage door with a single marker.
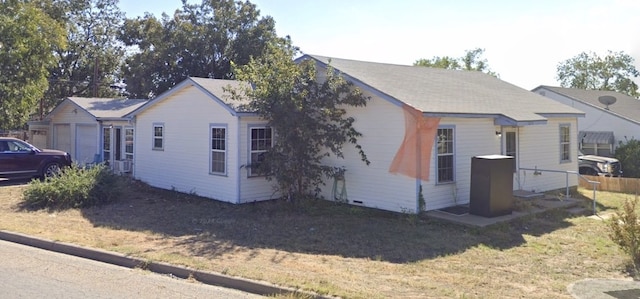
(86, 143)
(62, 138)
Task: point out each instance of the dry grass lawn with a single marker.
(339, 250)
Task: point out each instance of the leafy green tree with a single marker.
(628, 153)
(613, 72)
(471, 61)
(199, 40)
(307, 112)
(91, 61)
(28, 37)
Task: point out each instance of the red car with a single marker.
(21, 160)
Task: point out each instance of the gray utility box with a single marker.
(491, 185)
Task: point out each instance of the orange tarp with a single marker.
(414, 155)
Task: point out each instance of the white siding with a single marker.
(65, 136)
(251, 188)
(472, 137)
(382, 125)
(540, 147)
(599, 120)
(183, 165)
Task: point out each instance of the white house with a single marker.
(422, 127)
(90, 129)
(194, 139)
(605, 123)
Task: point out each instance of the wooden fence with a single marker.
(622, 185)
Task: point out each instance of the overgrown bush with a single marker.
(625, 231)
(629, 155)
(74, 187)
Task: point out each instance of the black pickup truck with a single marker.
(598, 165)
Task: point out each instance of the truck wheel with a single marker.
(50, 170)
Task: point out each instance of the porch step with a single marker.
(524, 194)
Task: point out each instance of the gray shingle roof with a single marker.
(446, 92)
(625, 106)
(107, 107)
(214, 88)
(217, 88)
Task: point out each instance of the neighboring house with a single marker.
(605, 124)
(90, 129)
(194, 139)
(421, 128)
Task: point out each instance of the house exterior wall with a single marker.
(251, 188)
(184, 162)
(382, 125)
(67, 136)
(472, 137)
(597, 119)
(539, 147)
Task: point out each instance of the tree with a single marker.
(628, 153)
(29, 37)
(471, 61)
(199, 40)
(92, 60)
(309, 117)
(613, 72)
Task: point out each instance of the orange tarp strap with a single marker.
(414, 155)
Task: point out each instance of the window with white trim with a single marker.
(445, 155)
(128, 144)
(106, 145)
(565, 143)
(218, 150)
(158, 136)
(261, 140)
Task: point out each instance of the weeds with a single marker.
(74, 187)
(625, 232)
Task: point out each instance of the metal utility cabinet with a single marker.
(491, 185)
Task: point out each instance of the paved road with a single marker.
(27, 272)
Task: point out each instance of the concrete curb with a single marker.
(246, 285)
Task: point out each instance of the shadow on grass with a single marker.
(210, 228)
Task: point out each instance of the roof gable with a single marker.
(450, 92)
(625, 106)
(213, 88)
(101, 108)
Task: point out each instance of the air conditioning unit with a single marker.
(121, 167)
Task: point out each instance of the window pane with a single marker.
(261, 141)
(218, 139)
(445, 154)
(157, 142)
(445, 168)
(157, 131)
(217, 162)
(128, 144)
(106, 136)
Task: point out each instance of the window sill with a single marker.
(158, 149)
(445, 183)
(218, 174)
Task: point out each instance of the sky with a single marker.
(524, 41)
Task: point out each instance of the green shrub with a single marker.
(74, 187)
(625, 231)
(628, 154)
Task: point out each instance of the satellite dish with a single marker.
(607, 100)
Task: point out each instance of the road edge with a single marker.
(217, 279)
